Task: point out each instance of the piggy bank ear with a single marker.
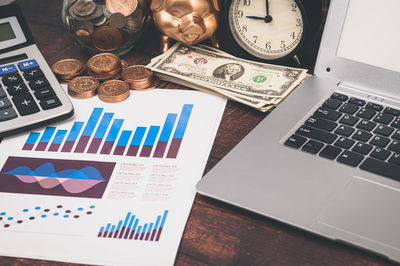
(217, 5)
(157, 5)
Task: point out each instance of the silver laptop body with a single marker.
(359, 57)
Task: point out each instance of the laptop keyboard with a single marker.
(353, 132)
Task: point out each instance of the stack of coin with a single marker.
(113, 91)
(105, 66)
(68, 69)
(83, 87)
(139, 78)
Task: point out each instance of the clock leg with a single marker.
(214, 41)
(296, 60)
(165, 43)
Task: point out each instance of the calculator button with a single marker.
(8, 69)
(38, 83)
(33, 73)
(25, 104)
(27, 64)
(46, 92)
(5, 103)
(50, 103)
(17, 89)
(2, 93)
(11, 79)
(7, 114)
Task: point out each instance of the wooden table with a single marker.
(216, 233)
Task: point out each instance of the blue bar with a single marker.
(157, 222)
(103, 126)
(183, 120)
(131, 221)
(119, 225)
(116, 126)
(93, 119)
(112, 229)
(74, 133)
(136, 223)
(139, 230)
(101, 229)
(150, 227)
(108, 227)
(124, 138)
(138, 136)
(33, 137)
(144, 228)
(152, 135)
(163, 219)
(168, 126)
(127, 218)
(48, 133)
(60, 135)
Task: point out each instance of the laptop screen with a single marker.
(371, 33)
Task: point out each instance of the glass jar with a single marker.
(105, 25)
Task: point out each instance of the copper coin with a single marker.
(125, 7)
(124, 64)
(83, 87)
(117, 20)
(113, 91)
(136, 73)
(67, 67)
(106, 38)
(103, 63)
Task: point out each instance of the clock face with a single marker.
(267, 29)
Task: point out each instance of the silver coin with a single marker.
(117, 20)
(97, 13)
(84, 8)
(99, 21)
(86, 26)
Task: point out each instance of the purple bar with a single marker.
(147, 236)
(41, 146)
(115, 233)
(146, 150)
(68, 146)
(136, 236)
(107, 147)
(110, 234)
(54, 147)
(105, 233)
(94, 145)
(119, 150)
(174, 148)
(82, 143)
(153, 234)
(160, 149)
(127, 233)
(122, 232)
(132, 233)
(141, 236)
(99, 234)
(159, 233)
(28, 147)
(133, 150)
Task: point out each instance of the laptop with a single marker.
(327, 160)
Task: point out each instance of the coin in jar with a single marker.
(67, 67)
(83, 87)
(106, 38)
(113, 91)
(84, 8)
(117, 20)
(126, 7)
(103, 63)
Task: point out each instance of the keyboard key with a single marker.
(349, 108)
(381, 168)
(28, 64)
(38, 83)
(391, 111)
(344, 143)
(295, 141)
(395, 158)
(366, 113)
(330, 152)
(50, 103)
(25, 104)
(43, 93)
(349, 120)
(362, 136)
(379, 141)
(396, 123)
(332, 103)
(350, 158)
(339, 96)
(384, 130)
(312, 146)
(327, 113)
(344, 130)
(380, 154)
(394, 146)
(396, 135)
(11, 79)
(357, 101)
(317, 134)
(2, 92)
(366, 125)
(321, 123)
(8, 69)
(374, 106)
(7, 114)
(33, 73)
(384, 119)
(5, 103)
(362, 148)
(17, 89)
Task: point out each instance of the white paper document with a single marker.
(112, 185)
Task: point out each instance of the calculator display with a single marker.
(6, 32)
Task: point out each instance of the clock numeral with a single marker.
(240, 13)
(246, 2)
(283, 45)
(268, 45)
(255, 39)
(294, 7)
(298, 24)
(244, 28)
(293, 35)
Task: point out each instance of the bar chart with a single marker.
(131, 228)
(103, 134)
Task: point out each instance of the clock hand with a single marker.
(255, 17)
(268, 17)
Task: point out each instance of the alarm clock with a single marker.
(272, 31)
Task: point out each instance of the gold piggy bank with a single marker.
(187, 21)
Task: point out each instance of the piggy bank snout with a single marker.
(192, 27)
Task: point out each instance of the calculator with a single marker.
(30, 95)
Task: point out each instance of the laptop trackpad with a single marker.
(367, 209)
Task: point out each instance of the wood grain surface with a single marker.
(216, 233)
